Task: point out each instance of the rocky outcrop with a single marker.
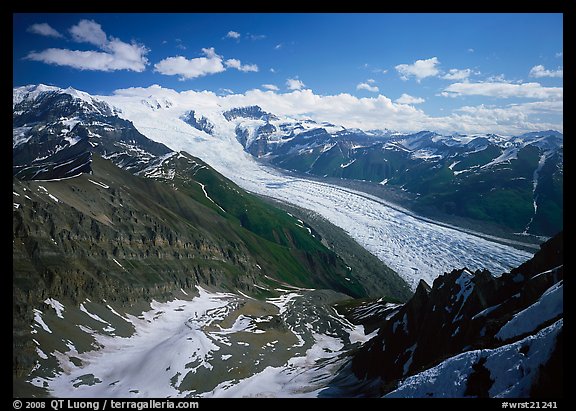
(249, 112)
(56, 134)
(201, 123)
(462, 311)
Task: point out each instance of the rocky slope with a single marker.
(101, 212)
(469, 334)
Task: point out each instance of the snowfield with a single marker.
(202, 347)
(413, 247)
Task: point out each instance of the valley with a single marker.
(404, 202)
(154, 257)
(393, 236)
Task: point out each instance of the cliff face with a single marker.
(464, 312)
(112, 235)
(102, 212)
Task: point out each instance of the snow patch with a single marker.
(56, 305)
(99, 183)
(93, 316)
(512, 371)
(38, 320)
(549, 306)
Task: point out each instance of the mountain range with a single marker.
(113, 230)
(514, 181)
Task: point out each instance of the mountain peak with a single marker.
(30, 92)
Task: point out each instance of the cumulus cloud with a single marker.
(512, 119)
(376, 112)
(88, 31)
(191, 68)
(233, 35)
(408, 99)
(113, 54)
(419, 69)
(456, 74)
(236, 64)
(504, 90)
(540, 71)
(366, 86)
(44, 29)
(270, 87)
(294, 84)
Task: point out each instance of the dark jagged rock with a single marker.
(463, 311)
(56, 133)
(201, 123)
(250, 112)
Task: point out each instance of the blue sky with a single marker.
(485, 72)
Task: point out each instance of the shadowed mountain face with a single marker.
(473, 324)
(55, 134)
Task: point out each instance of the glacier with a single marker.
(415, 248)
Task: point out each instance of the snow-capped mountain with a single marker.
(500, 179)
(393, 236)
(55, 132)
(139, 222)
(514, 182)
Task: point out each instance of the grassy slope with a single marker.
(501, 194)
(277, 233)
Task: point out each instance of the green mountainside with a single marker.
(127, 239)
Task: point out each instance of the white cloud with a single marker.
(270, 87)
(498, 78)
(236, 64)
(559, 54)
(511, 119)
(503, 90)
(278, 46)
(371, 81)
(114, 55)
(419, 69)
(376, 112)
(540, 71)
(294, 84)
(233, 35)
(367, 87)
(191, 68)
(44, 29)
(455, 74)
(470, 50)
(88, 31)
(408, 99)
